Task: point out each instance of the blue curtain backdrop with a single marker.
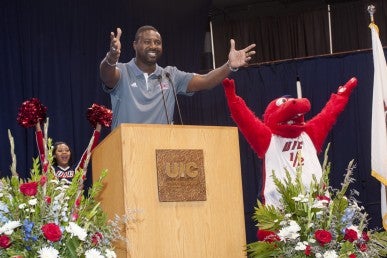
(51, 50)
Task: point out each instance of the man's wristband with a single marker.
(232, 69)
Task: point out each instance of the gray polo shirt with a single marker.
(137, 98)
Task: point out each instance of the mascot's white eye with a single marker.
(281, 101)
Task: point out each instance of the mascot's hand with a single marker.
(229, 88)
(347, 88)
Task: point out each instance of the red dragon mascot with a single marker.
(284, 140)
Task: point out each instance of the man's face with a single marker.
(148, 47)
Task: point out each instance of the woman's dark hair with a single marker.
(56, 144)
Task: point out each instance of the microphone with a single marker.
(168, 75)
(159, 78)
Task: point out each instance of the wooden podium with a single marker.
(207, 220)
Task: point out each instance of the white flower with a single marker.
(110, 254)
(8, 227)
(283, 223)
(22, 206)
(76, 230)
(301, 246)
(290, 232)
(330, 254)
(320, 204)
(93, 253)
(33, 201)
(48, 252)
(301, 198)
(298, 198)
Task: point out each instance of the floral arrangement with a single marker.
(45, 217)
(315, 221)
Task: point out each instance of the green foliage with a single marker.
(306, 211)
(85, 230)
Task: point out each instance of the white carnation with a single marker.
(290, 232)
(48, 252)
(93, 253)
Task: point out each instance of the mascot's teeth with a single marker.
(290, 122)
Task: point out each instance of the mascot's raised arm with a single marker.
(284, 134)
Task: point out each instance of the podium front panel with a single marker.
(210, 228)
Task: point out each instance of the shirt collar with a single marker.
(138, 72)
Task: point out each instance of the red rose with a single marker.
(5, 242)
(350, 235)
(51, 232)
(308, 250)
(267, 236)
(29, 189)
(352, 256)
(96, 238)
(323, 236)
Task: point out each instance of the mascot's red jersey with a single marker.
(283, 135)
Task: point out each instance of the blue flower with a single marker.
(3, 207)
(28, 225)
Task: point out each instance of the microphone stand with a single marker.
(175, 95)
(159, 78)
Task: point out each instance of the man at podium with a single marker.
(143, 92)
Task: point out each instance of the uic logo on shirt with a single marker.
(180, 175)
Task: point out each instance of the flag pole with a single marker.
(378, 125)
(371, 10)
